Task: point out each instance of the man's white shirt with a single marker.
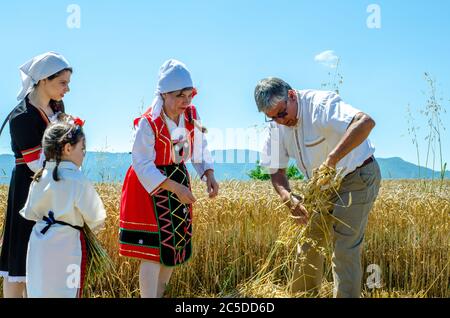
(323, 119)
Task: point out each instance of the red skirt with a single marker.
(155, 227)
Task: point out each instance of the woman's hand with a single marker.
(184, 194)
(211, 184)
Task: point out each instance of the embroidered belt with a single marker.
(20, 161)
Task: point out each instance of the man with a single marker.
(317, 127)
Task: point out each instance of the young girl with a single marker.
(156, 205)
(61, 200)
(45, 81)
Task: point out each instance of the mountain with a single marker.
(397, 168)
(229, 164)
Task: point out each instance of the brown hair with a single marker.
(56, 136)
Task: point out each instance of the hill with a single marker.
(230, 164)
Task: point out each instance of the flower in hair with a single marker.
(78, 121)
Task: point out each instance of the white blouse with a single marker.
(73, 199)
(144, 154)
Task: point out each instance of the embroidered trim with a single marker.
(135, 223)
(20, 161)
(137, 252)
(30, 155)
(315, 143)
(139, 238)
(31, 150)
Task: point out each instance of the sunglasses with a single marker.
(280, 115)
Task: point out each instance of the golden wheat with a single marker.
(408, 236)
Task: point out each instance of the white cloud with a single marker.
(327, 58)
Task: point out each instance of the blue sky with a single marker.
(228, 46)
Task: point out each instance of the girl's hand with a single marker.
(211, 184)
(184, 194)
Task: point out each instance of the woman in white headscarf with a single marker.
(156, 205)
(45, 81)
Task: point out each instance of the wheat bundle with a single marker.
(318, 197)
(99, 262)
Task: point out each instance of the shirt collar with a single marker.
(69, 165)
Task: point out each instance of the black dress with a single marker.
(27, 125)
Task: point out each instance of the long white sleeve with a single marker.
(143, 157)
(201, 157)
(27, 211)
(90, 205)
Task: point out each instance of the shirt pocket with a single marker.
(317, 150)
(314, 142)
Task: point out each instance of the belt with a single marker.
(51, 220)
(20, 161)
(367, 161)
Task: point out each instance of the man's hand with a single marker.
(281, 185)
(331, 162)
(299, 213)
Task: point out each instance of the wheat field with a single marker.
(242, 246)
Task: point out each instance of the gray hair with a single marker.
(270, 91)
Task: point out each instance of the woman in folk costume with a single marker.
(45, 80)
(156, 205)
(61, 200)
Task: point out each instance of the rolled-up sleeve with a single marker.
(332, 114)
(201, 157)
(143, 157)
(274, 155)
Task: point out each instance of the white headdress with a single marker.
(173, 75)
(39, 68)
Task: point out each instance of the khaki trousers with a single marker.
(362, 187)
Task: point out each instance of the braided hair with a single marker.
(56, 136)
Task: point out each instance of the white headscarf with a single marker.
(39, 68)
(173, 76)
